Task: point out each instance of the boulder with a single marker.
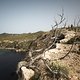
(23, 72)
(27, 73)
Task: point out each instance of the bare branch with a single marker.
(78, 22)
(74, 22)
(61, 19)
(30, 54)
(67, 53)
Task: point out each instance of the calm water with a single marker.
(8, 64)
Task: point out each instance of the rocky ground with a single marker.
(59, 62)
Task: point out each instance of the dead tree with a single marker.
(56, 73)
(33, 59)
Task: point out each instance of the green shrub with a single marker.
(59, 70)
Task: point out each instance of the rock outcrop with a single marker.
(27, 73)
(71, 62)
(68, 35)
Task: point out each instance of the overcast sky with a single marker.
(23, 16)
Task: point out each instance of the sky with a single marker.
(24, 16)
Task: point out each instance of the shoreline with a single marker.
(13, 49)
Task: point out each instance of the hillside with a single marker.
(53, 58)
(47, 56)
(18, 42)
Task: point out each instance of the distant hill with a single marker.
(14, 37)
